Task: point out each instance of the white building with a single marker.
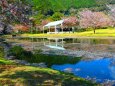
(56, 27)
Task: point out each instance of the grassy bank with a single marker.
(110, 32)
(34, 76)
(2, 59)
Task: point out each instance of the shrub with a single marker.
(19, 52)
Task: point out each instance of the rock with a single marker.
(39, 65)
(28, 64)
(23, 62)
(11, 57)
(16, 61)
(35, 64)
(42, 64)
(69, 70)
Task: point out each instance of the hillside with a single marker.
(64, 5)
(57, 5)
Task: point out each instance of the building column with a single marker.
(62, 27)
(55, 30)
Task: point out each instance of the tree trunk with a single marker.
(94, 30)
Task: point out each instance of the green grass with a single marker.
(35, 76)
(2, 59)
(110, 32)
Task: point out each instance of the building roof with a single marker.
(55, 23)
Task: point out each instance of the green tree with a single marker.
(42, 6)
(57, 16)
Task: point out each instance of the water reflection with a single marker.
(101, 69)
(86, 44)
(56, 44)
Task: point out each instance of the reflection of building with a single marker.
(56, 44)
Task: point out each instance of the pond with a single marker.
(76, 44)
(99, 69)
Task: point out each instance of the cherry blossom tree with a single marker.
(112, 14)
(71, 21)
(14, 11)
(20, 27)
(89, 19)
(44, 22)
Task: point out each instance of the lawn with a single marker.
(11, 75)
(109, 32)
(4, 61)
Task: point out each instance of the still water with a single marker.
(100, 70)
(76, 44)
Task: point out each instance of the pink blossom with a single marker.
(71, 21)
(89, 19)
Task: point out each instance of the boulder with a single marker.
(11, 57)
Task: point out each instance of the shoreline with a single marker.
(83, 54)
